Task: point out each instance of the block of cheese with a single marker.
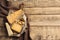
(14, 16)
(16, 27)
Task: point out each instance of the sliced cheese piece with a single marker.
(10, 33)
(16, 27)
(14, 16)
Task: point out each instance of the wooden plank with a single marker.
(41, 3)
(3, 31)
(5, 38)
(40, 18)
(45, 32)
(43, 11)
(37, 3)
(42, 23)
(44, 19)
(1, 22)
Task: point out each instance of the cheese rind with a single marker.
(10, 33)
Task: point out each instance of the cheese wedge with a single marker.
(12, 17)
(16, 27)
(10, 33)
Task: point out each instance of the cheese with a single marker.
(14, 16)
(21, 22)
(16, 27)
(10, 33)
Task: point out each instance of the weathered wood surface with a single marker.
(3, 31)
(45, 33)
(44, 27)
(44, 20)
(43, 11)
(41, 3)
(40, 18)
(1, 21)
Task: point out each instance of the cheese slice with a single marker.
(16, 27)
(10, 33)
(12, 17)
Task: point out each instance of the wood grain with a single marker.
(45, 32)
(43, 11)
(41, 3)
(44, 19)
(40, 18)
(3, 31)
(1, 22)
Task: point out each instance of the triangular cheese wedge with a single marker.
(10, 33)
(14, 16)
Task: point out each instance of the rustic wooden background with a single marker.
(44, 19)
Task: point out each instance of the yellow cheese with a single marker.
(21, 22)
(12, 17)
(16, 27)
